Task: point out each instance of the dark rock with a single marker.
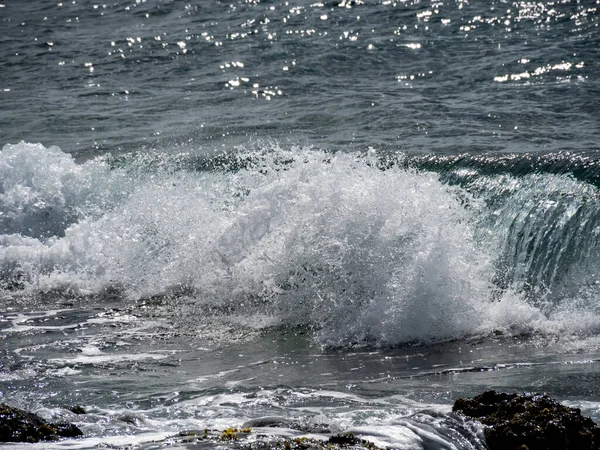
(344, 439)
(67, 430)
(530, 421)
(238, 439)
(76, 409)
(17, 425)
(132, 419)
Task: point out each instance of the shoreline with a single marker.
(510, 421)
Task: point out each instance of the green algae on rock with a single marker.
(530, 421)
(17, 425)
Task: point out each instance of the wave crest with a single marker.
(295, 237)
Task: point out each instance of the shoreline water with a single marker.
(155, 382)
(491, 420)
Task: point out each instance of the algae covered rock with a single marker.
(237, 439)
(17, 425)
(530, 421)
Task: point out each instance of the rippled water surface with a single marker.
(411, 75)
(305, 217)
(143, 381)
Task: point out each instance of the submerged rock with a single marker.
(530, 422)
(17, 425)
(76, 409)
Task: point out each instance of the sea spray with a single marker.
(276, 237)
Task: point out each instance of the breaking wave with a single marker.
(358, 249)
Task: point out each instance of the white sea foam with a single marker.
(122, 441)
(43, 191)
(299, 237)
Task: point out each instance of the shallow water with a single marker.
(143, 381)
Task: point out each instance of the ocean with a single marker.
(330, 216)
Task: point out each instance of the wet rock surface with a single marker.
(17, 425)
(76, 409)
(529, 422)
(236, 439)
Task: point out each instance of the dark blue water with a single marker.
(344, 214)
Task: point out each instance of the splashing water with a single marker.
(287, 238)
